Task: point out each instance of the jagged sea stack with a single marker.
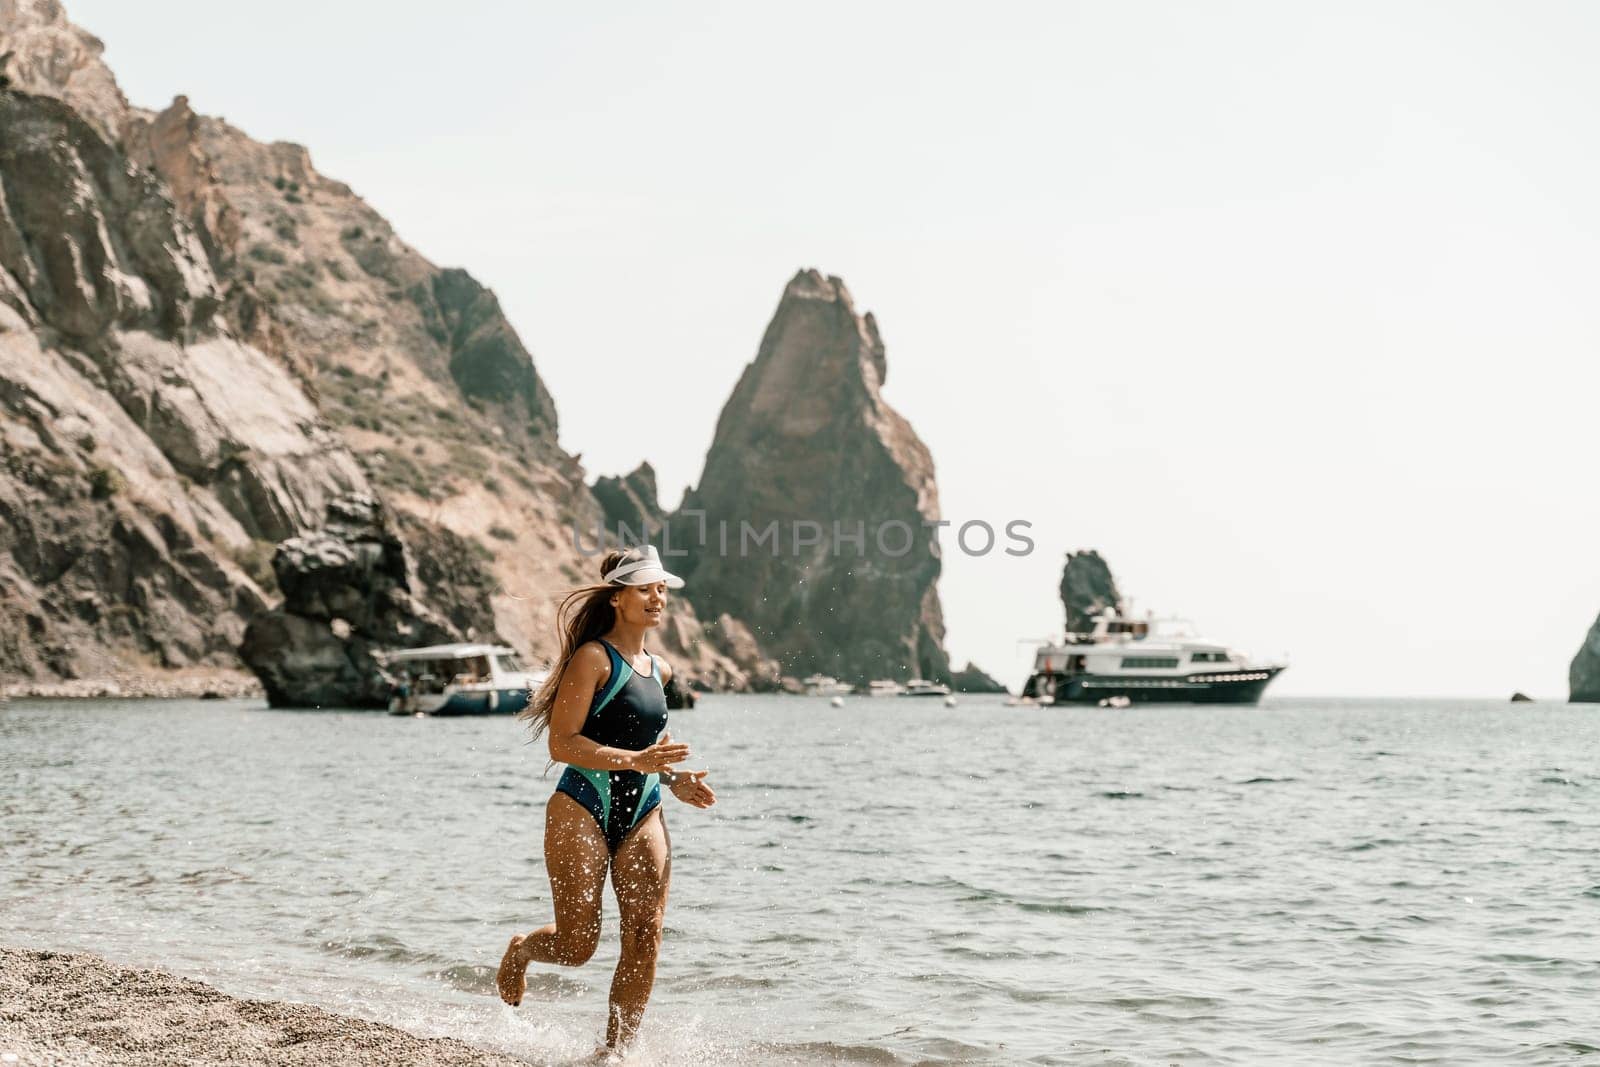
(807, 438)
(1583, 677)
(1087, 589)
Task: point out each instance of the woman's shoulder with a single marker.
(592, 655)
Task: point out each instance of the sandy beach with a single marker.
(59, 1008)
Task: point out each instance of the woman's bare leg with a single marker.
(640, 873)
(576, 857)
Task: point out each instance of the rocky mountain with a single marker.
(218, 365)
(1583, 677)
(204, 343)
(810, 519)
(1087, 589)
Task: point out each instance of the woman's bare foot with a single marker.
(511, 978)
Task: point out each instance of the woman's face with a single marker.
(641, 605)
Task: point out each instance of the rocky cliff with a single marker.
(147, 451)
(810, 520)
(1087, 589)
(1583, 677)
(204, 342)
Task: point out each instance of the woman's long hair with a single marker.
(584, 615)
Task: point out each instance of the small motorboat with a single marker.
(822, 685)
(921, 687)
(459, 680)
(885, 687)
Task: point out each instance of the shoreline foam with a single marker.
(58, 1008)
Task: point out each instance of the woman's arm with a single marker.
(589, 669)
(688, 786)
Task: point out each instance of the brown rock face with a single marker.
(144, 451)
(52, 57)
(807, 443)
(88, 242)
(1087, 589)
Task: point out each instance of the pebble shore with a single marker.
(60, 1008)
(191, 684)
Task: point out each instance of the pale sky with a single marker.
(1290, 310)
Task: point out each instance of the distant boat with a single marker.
(459, 680)
(921, 687)
(1127, 660)
(822, 685)
(885, 687)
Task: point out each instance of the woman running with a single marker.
(605, 708)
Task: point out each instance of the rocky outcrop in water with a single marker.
(1087, 589)
(348, 591)
(973, 680)
(808, 455)
(1583, 677)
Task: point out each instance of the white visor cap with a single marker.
(641, 566)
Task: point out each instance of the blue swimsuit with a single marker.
(634, 708)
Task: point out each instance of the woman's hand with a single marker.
(659, 756)
(690, 787)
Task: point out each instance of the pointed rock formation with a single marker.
(630, 504)
(1087, 589)
(974, 680)
(812, 518)
(1583, 677)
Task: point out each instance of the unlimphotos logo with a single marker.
(775, 538)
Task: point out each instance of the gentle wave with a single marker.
(1331, 882)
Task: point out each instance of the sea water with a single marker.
(890, 881)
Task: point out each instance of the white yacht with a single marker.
(885, 687)
(459, 680)
(821, 685)
(921, 687)
(1144, 660)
